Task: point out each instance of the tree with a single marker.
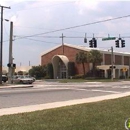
(94, 56)
(50, 70)
(71, 68)
(38, 71)
(20, 72)
(81, 58)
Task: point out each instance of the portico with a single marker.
(60, 66)
(119, 70)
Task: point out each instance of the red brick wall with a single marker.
(71, 53)
(118, 60)
(126, 60)
(107, 59)
(68, 52)
(45, 59)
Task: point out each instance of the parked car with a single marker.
(28, 76)
(4, 78)
(22, 79)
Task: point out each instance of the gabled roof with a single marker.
(84, 48)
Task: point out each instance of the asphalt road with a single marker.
(48, 92)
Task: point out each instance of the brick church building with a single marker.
(61, 55)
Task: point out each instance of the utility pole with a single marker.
(112, 63)
(1, 42)
(10, 69)
(62, 43)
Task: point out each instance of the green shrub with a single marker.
(78, 76)
(49, 71)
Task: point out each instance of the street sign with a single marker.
(108, 38)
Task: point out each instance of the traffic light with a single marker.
(85, 40)
(14, 65)
(90, 43)
(94, 42)
(113, 67)
(122, 43)
(9, 65)
(117, 43)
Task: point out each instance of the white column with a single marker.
(113, 73)
(119, 73)
(128, 73)
(106, 75)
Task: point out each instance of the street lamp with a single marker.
(10, 70)
(112, 63)
(1, 42)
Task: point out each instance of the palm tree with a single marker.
(81, 58)
(94, 56)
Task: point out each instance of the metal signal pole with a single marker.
(112, 63)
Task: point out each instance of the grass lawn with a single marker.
(104, 115)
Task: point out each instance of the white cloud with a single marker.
(38, 16)
(85, 5)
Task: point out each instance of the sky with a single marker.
(39, 24)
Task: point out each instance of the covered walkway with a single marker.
(118, 71)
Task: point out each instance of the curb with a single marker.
(16, 86)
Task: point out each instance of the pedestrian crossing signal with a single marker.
(124, 69)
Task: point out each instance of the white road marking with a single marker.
(68, 85)
(94, 82)
(126, 87)
(121, 86)
(96, 90)
(105, 91)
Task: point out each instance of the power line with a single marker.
(41, 41)
(74, 37)
(101, 21)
